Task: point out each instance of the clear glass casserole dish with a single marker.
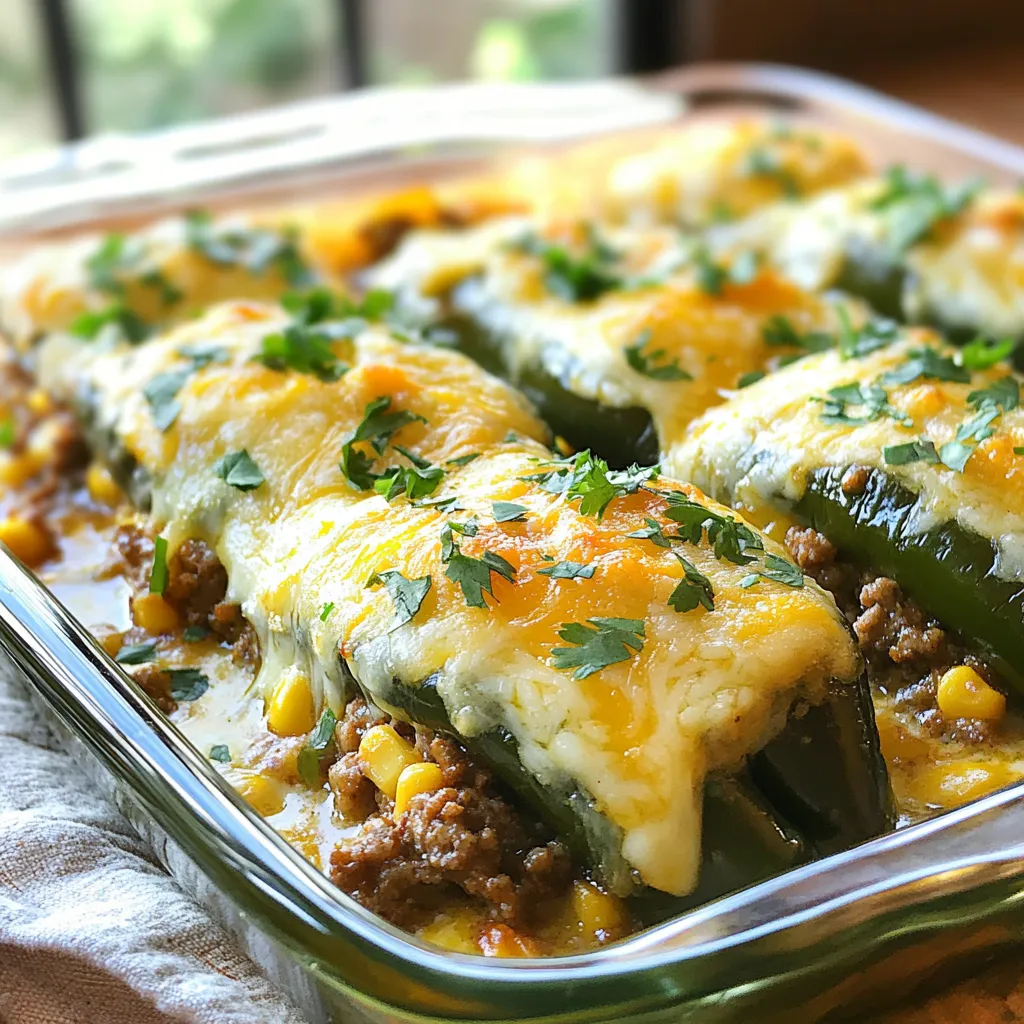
(823, 936)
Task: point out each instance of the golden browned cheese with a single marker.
(697, 691)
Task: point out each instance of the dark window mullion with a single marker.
(649, 34)
(353, 42)
(62, 60)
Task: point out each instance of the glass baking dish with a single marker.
(831, 938)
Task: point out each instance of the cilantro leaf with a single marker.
(652, 532)
(136, 654)
(872, 399)
(855, 342)
(589, 479)
(778, 330)
(194, 634)
(204, 355)
(219, 752)
(326, 611)
(463, 460)
(982, 353)
(303, 349)
(692, 590)
(158, 574)
(508, 512)
(8, 432)
(161, 392)
(377, 427)
(417, 481)
(116, 319)
(782, 571)
(597, 644)
(308, 761)
(645, 364)
(921, 450)
(569, 571)
(730, 539)
(187, 683)
(239, 471)
(407, 594)
(576, 278)
(473, 575)
(762, 162)
(751, 377)
(927, 363)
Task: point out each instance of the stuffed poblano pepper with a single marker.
(627, 657)
(908, 459)
(915, 249)
(619, 337)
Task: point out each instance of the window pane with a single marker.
(147, 63)
(413, 41)
(26, 109)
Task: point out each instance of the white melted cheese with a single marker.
(638, 736)
(762, 446)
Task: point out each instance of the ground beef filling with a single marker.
(463, 838)
(906, 651)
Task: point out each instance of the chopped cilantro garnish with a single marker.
(912, 204)
(204, 355)
(115, 254)
(326, 611)
(508, 512)
(219, 752)
(989, 403)
(463, 460)
(871, 399)
(927, 364)
(121, 322)
(194, 634)
(162, 394)
(576, 278)
(7, 432)
(473, 575)
(1018, 450)
(779, 569)
(449, 504)
(568, 570)
(730, 539)
(779, 330)
(377, 428)
(692, 590)
(982, 353)
(187, 683)
(136, 654)
(407, 594)
(588, 478)
(645, 363)
(752, 377)
(652, 532)
(158, 574)
(255, 250)
(303, 349)
(921, 450)
(239, 471)
(417, 481)
(308, 761)
(763, 162)
(855, 342)
(597, 644)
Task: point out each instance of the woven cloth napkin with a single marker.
(92, 929)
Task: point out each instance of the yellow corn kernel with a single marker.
(17, 469)
(964, 694)
(109, 639)
(39, 402)
(27, 541)
(290, 711)
(424, 777)
(102, 488)
(155, 615)
(43, 441)
(384, 755)
(595, 910)
(264, 795)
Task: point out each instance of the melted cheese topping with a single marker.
(717, 170)
(764, 445)
(638, 736)
(969, 271)
(715, 339)
(49, 289)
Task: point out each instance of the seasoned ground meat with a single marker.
(906, 651)
(464, 836)
(156, 683)
(196, 582)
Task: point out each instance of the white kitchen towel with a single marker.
(92, 929)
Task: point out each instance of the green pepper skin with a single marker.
(620, 436)
(825, 772)
(746, 834)
(948, 570)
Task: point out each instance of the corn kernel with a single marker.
(595, 910)
(501, 941)
(424, 777)
(43, 442)
(155, 615)
(262, 794)
(109, 639)
(17, 469)
(102, 488)
(39, 402)
(384, 755)
(27, 541)
(291, 711)
(964, 694)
